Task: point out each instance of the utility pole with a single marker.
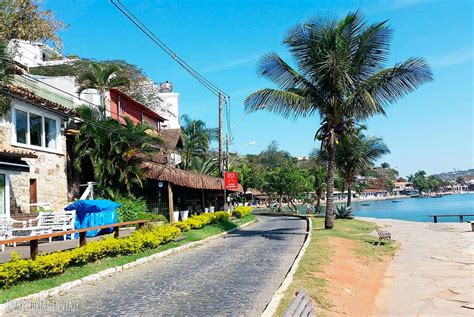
(221, 163)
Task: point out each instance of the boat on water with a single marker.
(415, 196)
(365, 204)
(396, 201)
(437, 196)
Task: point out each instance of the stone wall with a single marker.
(49, 170)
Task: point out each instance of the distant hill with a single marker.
(455, 174)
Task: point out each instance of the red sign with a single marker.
(231, 180)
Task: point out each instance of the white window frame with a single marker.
(7, 192)
(42, 114)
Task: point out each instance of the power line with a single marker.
(222, 96)
(150, 34)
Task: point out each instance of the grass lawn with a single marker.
(319, 253)
(77, 272)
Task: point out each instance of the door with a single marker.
(3, 194)
(33, 194)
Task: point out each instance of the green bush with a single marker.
(55, 263)
(150, 237)
(153, 217)
(182, 225)
(132, 208)
(222, 216)
(242, 211)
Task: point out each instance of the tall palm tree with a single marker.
(101, 77)
(113, 151)
(6, 75)
(340, 74)
(197, 139)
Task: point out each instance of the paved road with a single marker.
(236, 275)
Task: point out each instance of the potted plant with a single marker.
(184, 214)
(175, 216)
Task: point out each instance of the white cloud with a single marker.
(400, 4)
(452, 58)
(234, 63)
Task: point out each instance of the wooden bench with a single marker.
(301, 306)
(33, 240)
(383, 234)
(461, 217)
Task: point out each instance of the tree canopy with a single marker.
(24, 20)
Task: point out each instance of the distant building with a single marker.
(172, 99)
(33, 54)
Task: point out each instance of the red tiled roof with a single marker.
(10, 151)
(29, 96)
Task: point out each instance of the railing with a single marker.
(82, 235)
(158, 208)
(89, 192)
(461, 217)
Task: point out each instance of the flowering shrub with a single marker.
(47, 265)
(242, 211)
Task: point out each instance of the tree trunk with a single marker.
(329, 219)
(349, 194)
(281, 202)
(318, 203)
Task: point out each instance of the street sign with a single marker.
(231, 180)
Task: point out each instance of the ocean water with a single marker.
(418, 209)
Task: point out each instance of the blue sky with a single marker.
(431, 129)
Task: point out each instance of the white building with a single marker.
(172, 100)
(63, 89)
(33, 54)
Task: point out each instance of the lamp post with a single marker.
(235, 157)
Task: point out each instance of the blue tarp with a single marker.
(92, 213)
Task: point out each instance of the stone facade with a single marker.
(49, 169)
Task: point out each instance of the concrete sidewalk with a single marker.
(432, 273)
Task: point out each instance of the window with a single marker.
(35, 129)
(21, 126)
(3, 200)
(50, 132)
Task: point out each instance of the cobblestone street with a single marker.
(236, 275)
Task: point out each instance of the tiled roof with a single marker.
(29, 96)
(10, 151)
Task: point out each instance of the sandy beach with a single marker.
(432, 274)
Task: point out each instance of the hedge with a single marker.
(51, 264)
(242, 211)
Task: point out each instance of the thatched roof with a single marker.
(172, 138)
(183, 178)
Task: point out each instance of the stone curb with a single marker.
(99, 275)
(272, 306)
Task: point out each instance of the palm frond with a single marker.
(282, 102)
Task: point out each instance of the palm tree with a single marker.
(206, 166)
(102, 78)
(112, 150)
(340, 74)
(197, 139)
(6, 74)
(356, 153)
(318, 177)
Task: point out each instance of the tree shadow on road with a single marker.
(274, 234)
